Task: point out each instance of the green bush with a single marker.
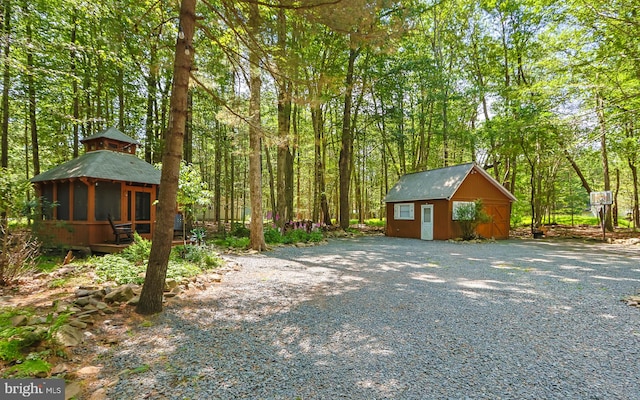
(469, 216)
(272, 235)
(239, 230)
(295, 236)
(376, 222)
(234, 242)
(138, 252)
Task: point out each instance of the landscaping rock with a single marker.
(78, 324)
(134, 301)
(19, 320)
(72, 390)
(82, 301)
(170, 284)
(68, 336)
(100, 394)
(120, 294)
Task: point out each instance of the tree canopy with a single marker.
(323, 104)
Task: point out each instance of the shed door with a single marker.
(426, 225)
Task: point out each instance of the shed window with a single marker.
(403, 211)
(464, 210)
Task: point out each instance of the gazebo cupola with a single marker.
(111, 139)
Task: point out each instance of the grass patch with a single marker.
(566, 219)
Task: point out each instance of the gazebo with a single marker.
(109, 181)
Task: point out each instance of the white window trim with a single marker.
(399, 210)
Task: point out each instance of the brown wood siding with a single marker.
(495, 204)
(404, 228)
(84, 233)
(411, 228)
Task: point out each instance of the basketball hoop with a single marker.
(599, 202)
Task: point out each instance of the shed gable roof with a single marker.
(435, 184)
(104, 164)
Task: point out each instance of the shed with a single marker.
(421, 205)
(78, 196)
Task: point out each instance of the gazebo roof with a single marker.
(111, 133)
(437, 184)
(103, 164)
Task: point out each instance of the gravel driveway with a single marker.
(387, 318)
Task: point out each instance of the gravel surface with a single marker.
(386, 318)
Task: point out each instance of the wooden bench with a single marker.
(119, 230)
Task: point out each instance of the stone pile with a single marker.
(89, 302)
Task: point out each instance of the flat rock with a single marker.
(100, 394)
(19, 320)
(120, 294)
(72, 390)
(86, 372)
(68, 336)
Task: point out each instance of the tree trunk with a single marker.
(615, 199)
(151, 296)
(74, 87)
(284, 162)
(321, 206)
(576, 168)
(272, 184)
(187, 147)
(150, 132)
(217, 173)
(256, 238)
(6, 81)
(121, 106)
(31, 89)
(346, 151)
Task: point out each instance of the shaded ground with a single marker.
(111, 332)
(377, 317)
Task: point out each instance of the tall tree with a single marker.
(152, 291)
(346, 150)
(6, 81)
(31, 93)
(284, 156)
(256, 238)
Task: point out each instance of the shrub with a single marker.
(232, 241)
(184, 262)
(272, 235)
(198, 235)
(469, 216)
(239, 230)
(18, 255)
(138, 252)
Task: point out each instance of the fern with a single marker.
(29, 368)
